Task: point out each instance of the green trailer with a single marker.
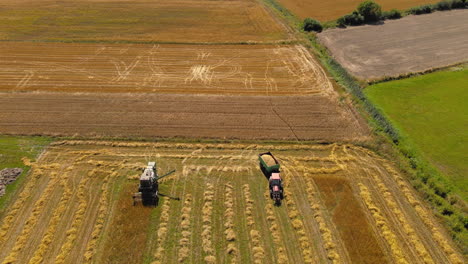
(266, 168)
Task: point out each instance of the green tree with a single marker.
(370, 10)
(312, 25)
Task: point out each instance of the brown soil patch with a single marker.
(350, 220)
(205, 69)
(331, 10)
(184, 21)
(7, 176)
(151, 115)
(410, 44)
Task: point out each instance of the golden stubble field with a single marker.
(181, 21)
(343, 204)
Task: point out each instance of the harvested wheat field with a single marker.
(142, 68)
(408, 45)
(182, 21)
(331, 10)
(316, 117)
(77, 207)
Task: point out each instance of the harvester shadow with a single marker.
(170, 197)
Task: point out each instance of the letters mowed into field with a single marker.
(77, 205)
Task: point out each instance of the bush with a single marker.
(370, 10)
(392, 14)
(444, 5)
(419, 10)
(352, 19)
(312, 25)
(458, 4)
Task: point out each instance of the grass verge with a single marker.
(12, 150)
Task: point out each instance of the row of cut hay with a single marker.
(78, 218)
(296, 220)
(322, 170)
(325, 159)
(102, 213)
(215, 157)
(281, 255)
(185, 226)
(187, 169)
(229, 231)
(437, 234)
(162, 232)
(326, 233)
(382, 224)
(30, 224)
(28, 189)
(207, 213)
(169, 145)
(257, 248)
(62, 206)
(409, 231)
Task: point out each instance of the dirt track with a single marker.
(410, 44)
(79, 194)
(315, 117)
(206, 69)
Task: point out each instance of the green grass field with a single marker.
(431, 111)
(12, 150)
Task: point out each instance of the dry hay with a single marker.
(9, 219)
(327, 236)
(162, 232)
(207, 213)
(295, 218)
(269, 160)
(229, 232)
(184, 242)
(437, 234)
(78, 218)
(383, 226)
(32, 220)
(100, 221)
(407, 228)
(281, 254)
(54, 221)
(257, 249)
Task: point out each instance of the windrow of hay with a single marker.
(281, 255)
(102, 214)
(327, 237)
(229, 232)
(162, 232)
(174, 145)
(296, 220)
(187, 169)
(185, 226)
(30, 185)
(322, 170)
(48, 237)
(256, 246)
(437, 234)
(382, 224)
(78, 218)
(207, 213)
(30, 224)
(407, 228)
